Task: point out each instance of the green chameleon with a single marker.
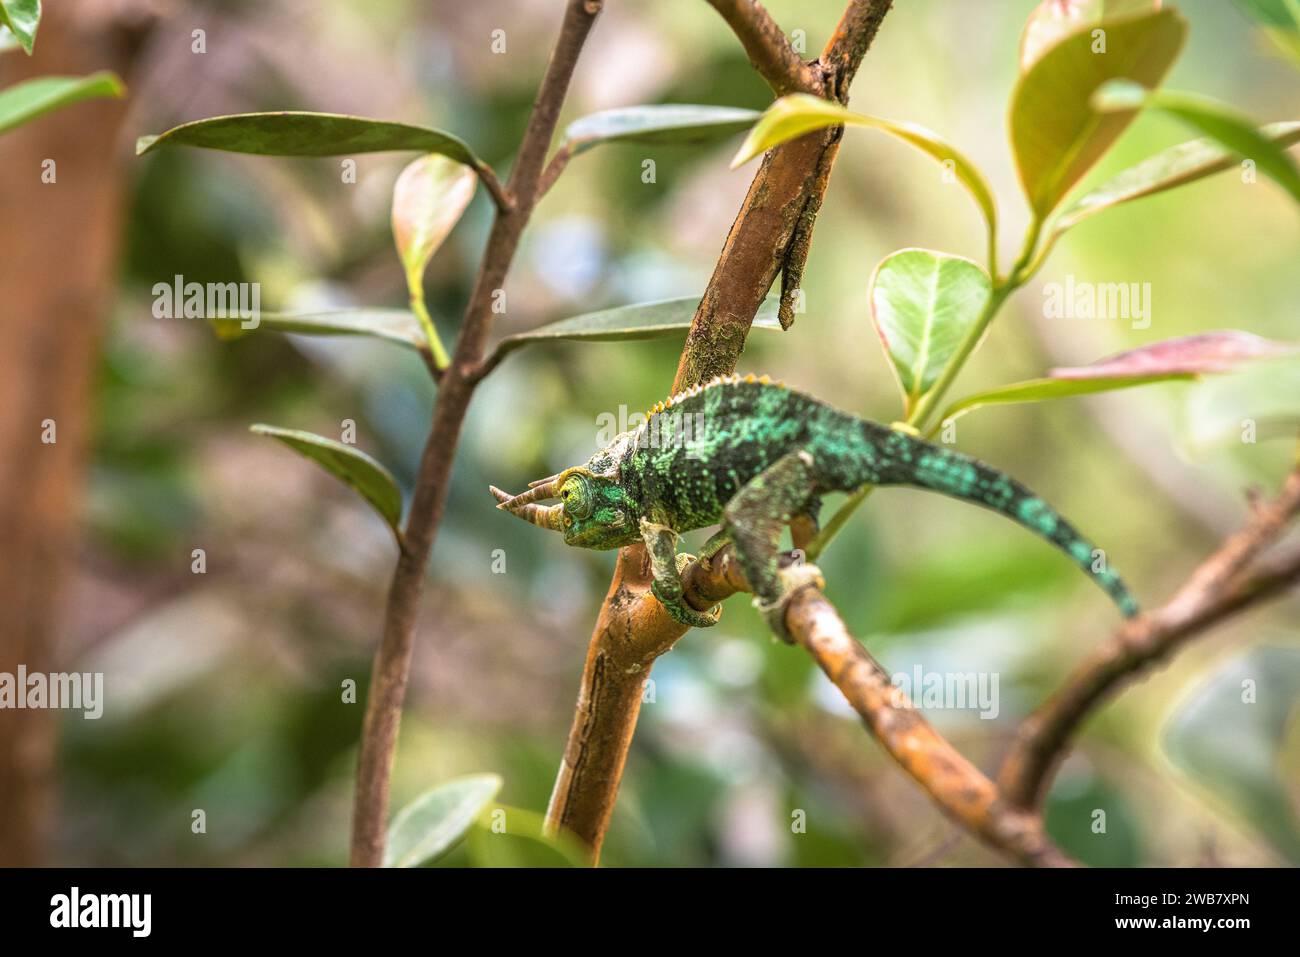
(757, 457)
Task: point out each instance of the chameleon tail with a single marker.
(911, 461)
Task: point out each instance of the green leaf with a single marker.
(524, 842)
(1039, 390)
(395, 325)
(1273, 13)
(32, 98)
(1070, 816)
(21, 17)
(1056, 134)
(1260, 403)
(664, 123)
(1279, 21)
(1176, 166)
(645, 320)
(923, 304)
(1287, 41)
(428, 199)
(1228, 128)
(800, 113)
(1228, 736)
(434, 822)
(1180, 359)
(366, 476)
(308, 134)
(1053, 20)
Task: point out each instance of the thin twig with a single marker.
(393, 656)
(554, 168)
(500, 197)
(1220, 587)
(769, 51)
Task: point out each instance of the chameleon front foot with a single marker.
(676, 605)
(792, 579)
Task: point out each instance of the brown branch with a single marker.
(1005, 815)
(455, 389)
(769, 51)
(850, 43)
(500, 197)
(554, 168)
(632, 629)
(960, 789)
(773, 229)
(956, 785)
(618, 665)
(1222, 586)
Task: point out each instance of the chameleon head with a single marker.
(593, 512)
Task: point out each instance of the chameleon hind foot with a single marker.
(793, 578)
(676, 605)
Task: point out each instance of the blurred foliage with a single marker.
(226, 689)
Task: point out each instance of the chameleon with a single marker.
(755, 456)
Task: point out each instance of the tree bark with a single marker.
(59, 243)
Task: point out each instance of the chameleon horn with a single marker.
(552, 518)
(537, 493)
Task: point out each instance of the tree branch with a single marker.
(773, 230)
(456, 387)
(956, 785)
(618, 665)
(488, 177)
(850, 43)
(769, 51)
(554, 168)
(1220, 587)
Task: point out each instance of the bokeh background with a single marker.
(224, 688)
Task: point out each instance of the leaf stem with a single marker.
(504, 201)
(437, 351)
(1002, 288)
(993, 248)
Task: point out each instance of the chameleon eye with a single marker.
(577, 497)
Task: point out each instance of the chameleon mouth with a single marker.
(523, 505)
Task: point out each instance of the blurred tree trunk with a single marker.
(59, 244)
